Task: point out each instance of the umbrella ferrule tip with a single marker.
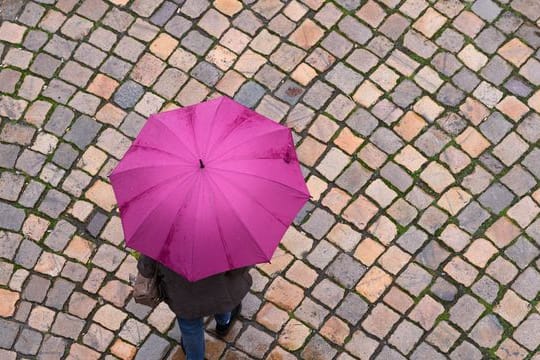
(201, 164)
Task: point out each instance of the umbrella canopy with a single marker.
(209, 188)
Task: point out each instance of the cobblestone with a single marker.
(416, 131)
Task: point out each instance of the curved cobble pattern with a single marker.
(417, 125)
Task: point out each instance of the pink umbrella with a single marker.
(209, 188)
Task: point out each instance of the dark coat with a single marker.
(214, 295)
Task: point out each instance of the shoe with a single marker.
(223, 330)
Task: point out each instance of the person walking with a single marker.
(219, 295)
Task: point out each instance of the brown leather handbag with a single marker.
(147, 291)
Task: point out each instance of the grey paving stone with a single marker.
(432, 141)
(10, 185)
(54, 203)
(387, 353)
(36, 288)
(444, 290)
(529, 128)
(412, 239)
(425, 351)
(65, 155)
(450, 95)
(31, 14)
(405, 93)
(269, 76)
(394, 26)
(132, 124)
(45, 65)
(346, 270)
(354, 30)
(318, 94)
(491, 163)
(96, 223)
(432, 255)
(527, 283)
(414, 279)
(486, 9)
(311, 312)
(23, 311)
(74, 271)
(31, 194)
(60, 235)
(362, 122)
(248, 22)
(60, 47)
(128, 94)
(196, 42)
(349, 4)
(8, 155)
(83, 131)
(318, 348)
(337, 44)
(397, 176)
(522, 252)
(9, 242)
(249, 94)
(8, 332)
(12, 217)
(290, 92)
(164, 13)
(116, 67)
(141, 311)
(59, 91)
(352, 308)
(466, 351)
(322, 255)
(419, 44)
(59, 120)
(28, 254)
(319, 223)
(34, 40)
(155, 347)
(206, 73)
(508, 22)
(178, 26)
(528, 32)
(354, 177)
(495, 127)
(386, 140)
(452, 123)
(451, 40)
(67, 326)
(306, 209)
(8, 80)
(519, 180)
(490, 39)
(28, 342)
(118, 19)
(6, 268)
(532, 162)
(362, 60)
(486, 288)
(53, 347)
(496, 70)
(466, 311)
(344, 78)
(466, 79)
(89, 55)
(446, 63)
(472, 217)
(58, 295)
(496, 198)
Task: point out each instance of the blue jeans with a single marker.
(193, 334)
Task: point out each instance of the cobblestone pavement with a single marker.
(417, 124)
